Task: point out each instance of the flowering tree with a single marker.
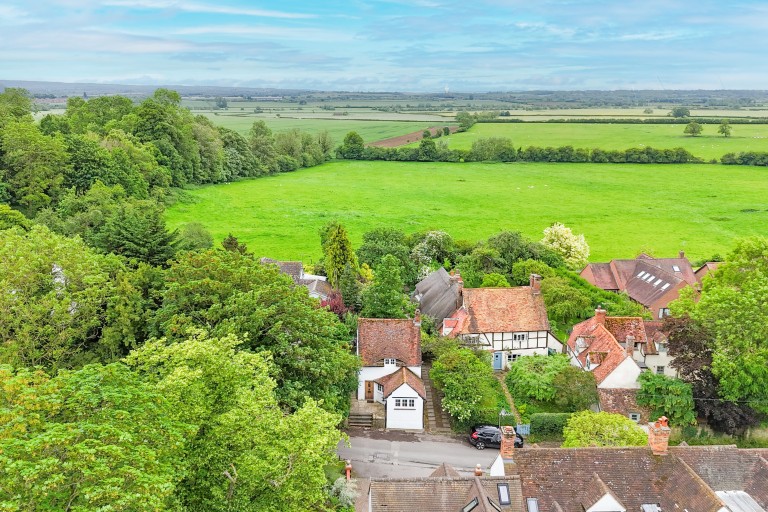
(573, 248)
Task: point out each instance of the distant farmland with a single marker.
(709, 145)
(622, 209)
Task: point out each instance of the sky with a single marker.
(390, 45)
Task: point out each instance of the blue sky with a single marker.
(390, 45)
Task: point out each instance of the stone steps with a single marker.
(437, 419)
(360, 420)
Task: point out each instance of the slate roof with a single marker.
(633, 475)
(438, 295)
(634, 276)
(380, 338)
(402, 376)
(501, 310)
(442, 494)
(295, 269)
(602, 346)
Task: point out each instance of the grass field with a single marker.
(619, 136)
(382, 126)
(621, 209)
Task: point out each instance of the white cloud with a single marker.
(651, 36)
(206, 8)
(274, 32)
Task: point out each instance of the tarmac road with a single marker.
(380, 454)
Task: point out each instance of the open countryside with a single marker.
(709, 145)
(622, 209)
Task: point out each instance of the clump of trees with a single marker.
(587, 428)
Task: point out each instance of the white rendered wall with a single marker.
(405, 418)
(375, 372)
(623, 377)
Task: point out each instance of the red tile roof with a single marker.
(380, 338)
(501, 310)
(602, 342)
(402, 376)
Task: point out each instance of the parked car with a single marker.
(482, 436)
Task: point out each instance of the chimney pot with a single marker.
(600, 315)
(535, 281)
(417, 318)
(478, 470)
(681, 254)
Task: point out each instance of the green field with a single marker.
(619, 136)
(621, 209)
(371, 130)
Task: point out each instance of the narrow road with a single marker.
(414, 456)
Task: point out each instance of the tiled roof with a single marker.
(501, 310)
(380, 338)
(622, 326)
(633, 475)
(445, 469)
(402, 376)
(727, 468)
(442, 494)
(622, 401)
(438, 295)
(633, 276)
(295, 269)
(599, 340)
(591, 493)
(655, 335)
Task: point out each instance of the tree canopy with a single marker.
(589, 428)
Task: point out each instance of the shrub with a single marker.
(549, 426)
(532, 377)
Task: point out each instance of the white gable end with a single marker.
(607, 504)
(623, 377)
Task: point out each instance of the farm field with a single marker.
(621, 209)
(376, 127)
(709, 145)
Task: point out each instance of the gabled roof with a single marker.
(402, 376)
(634, 477)
(438, 294)
(645, 279)
(655, 334)
(501, 310)
(443, 494)
(445, 469)
(594, 491)
(380, 338)
(295, 269)
(601, 346)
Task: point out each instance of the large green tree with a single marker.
(94, 439)
(668, 397)
(732, 308)
(384, 298)
(337, 251)
(230, 293)
(63, 305)
(244, 452)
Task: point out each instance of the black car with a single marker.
(489, 435)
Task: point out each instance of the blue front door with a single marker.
(498, 362)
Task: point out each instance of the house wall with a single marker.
(664, 300)
(375, 372)
(405, 418)
(662, 359)
(623, 377)
(535, 343)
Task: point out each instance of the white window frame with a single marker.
(663, 312)
(660, 370)
(405, 403)
(635, 416)
(519, 336)
(379, 388)
(390, 361)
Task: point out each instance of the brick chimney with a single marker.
(681, 254)
(600, 315)
(629, 345)
(535, 280)
(417, 318)
(658, 436)
(508, 436)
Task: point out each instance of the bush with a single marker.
(549, 426)
(532, 377)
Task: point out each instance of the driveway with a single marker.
(388, 454)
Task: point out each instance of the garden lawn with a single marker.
(707, 146)
(621, 208)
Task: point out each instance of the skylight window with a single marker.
(504, 494)
(650, 278)
(666, 285)
(675, 268)
(657, 282)
(641, 274)
(470, 506)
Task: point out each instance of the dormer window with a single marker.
(390, 362)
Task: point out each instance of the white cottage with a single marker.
(509, 322)
(390, 350)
